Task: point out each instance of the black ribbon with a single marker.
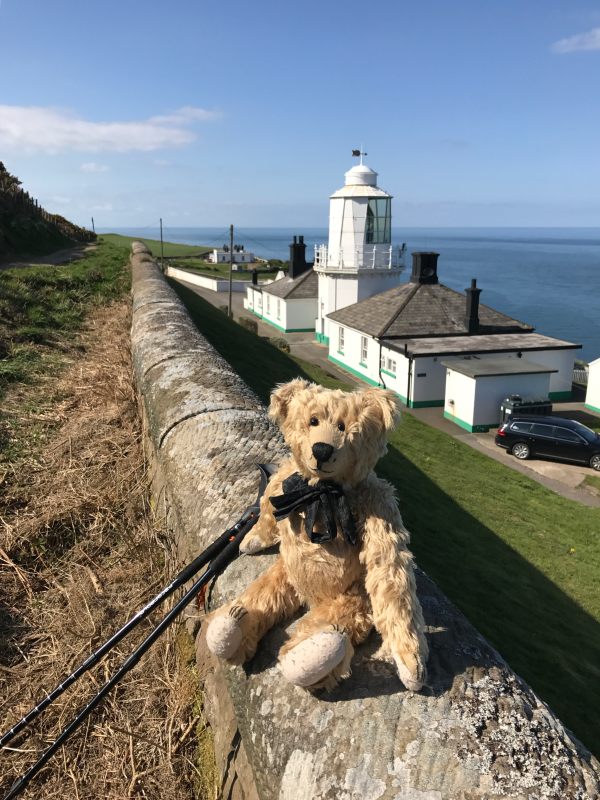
(326, 498)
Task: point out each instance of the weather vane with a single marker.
(359, 154)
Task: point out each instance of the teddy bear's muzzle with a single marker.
(322, 452)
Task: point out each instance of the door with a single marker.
(568, 446)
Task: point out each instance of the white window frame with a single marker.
(340, 339)
(364, 349)
(278, 308)
(268, 304)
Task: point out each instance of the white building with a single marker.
(240, 256)
(592, 395)
(359, 259)
(290, 303)
(402, 337)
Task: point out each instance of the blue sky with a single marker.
(210, 113)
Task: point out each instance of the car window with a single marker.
(541, 430)
(522, 427)
(566, 435)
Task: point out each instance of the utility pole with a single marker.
(162, 250)
(93, 228)
(230, 267)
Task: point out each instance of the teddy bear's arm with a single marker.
(391, 586)
(265, 533)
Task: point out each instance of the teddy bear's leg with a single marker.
(236, 629)
(319, 653)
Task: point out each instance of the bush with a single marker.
(249, 324)
(280, 343)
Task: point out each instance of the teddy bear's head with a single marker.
(334, 435)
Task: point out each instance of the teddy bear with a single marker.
(343, 547)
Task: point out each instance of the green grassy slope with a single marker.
(171, 249)
(521, 562)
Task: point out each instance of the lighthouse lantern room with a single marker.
(359, 259)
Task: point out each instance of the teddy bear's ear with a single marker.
(281, 397)
(383, 406)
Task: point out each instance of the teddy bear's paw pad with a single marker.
(413, 680)
(314, 658)
(224, 636)
(252, 544)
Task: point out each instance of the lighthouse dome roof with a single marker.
(361, 175)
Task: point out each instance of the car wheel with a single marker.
(595, 462)
(520, 450)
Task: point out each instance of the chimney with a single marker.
(472, 310)
(298, 263)
(424, 268)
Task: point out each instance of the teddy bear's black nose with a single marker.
(322, 452)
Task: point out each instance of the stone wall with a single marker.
(477, 732)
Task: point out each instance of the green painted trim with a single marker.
(560, 396)
(592, 408)
(286, 330)
(363, 364)
(391, 374)
(256, 314)
(352, 371)
(469, 427)
(340, 352)
(426, 404)
(321, 338)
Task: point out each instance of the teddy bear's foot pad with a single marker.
(224, 636)
(413, 682)
(314, 658)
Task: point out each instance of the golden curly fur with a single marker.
(346, 588)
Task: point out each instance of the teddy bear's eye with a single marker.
(314, 421)
(341, 426)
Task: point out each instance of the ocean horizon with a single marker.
(547, 277)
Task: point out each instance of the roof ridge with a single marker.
(398, 311)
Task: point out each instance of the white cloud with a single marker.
(59, 200)
(91, 166)
(102, 207)
(50, 130)
(590, 40)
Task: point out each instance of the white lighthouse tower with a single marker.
(359, 260)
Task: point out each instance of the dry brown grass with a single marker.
(80, 551)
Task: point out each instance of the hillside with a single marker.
(26, 229)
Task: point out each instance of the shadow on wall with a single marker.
(545, 636)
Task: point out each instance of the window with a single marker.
(268, 304)
(379, 221)
(391, 365)
(363, 349)
(541, 430)
(566, 436)
(341, 340)
(278, 308)
(382, 362)
(522, 427)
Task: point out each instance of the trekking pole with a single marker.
(222, 545)
(227, 555)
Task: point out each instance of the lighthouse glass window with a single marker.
(379, 221)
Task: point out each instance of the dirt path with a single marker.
(64, 256)
(80, 552)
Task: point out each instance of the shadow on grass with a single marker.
(546, 637)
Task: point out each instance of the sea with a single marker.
(547, 277)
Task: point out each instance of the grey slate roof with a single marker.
(417, 309)
(301, 288)
(486, 343)
(491, 366)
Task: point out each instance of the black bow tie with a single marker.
(327, 497)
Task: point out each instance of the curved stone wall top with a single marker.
(477, 731)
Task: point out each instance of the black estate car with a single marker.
(551, 437)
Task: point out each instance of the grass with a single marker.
(40, 306)
(171, 249)
(520, 561)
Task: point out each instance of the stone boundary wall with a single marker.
(477, 732)
(214, 284)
